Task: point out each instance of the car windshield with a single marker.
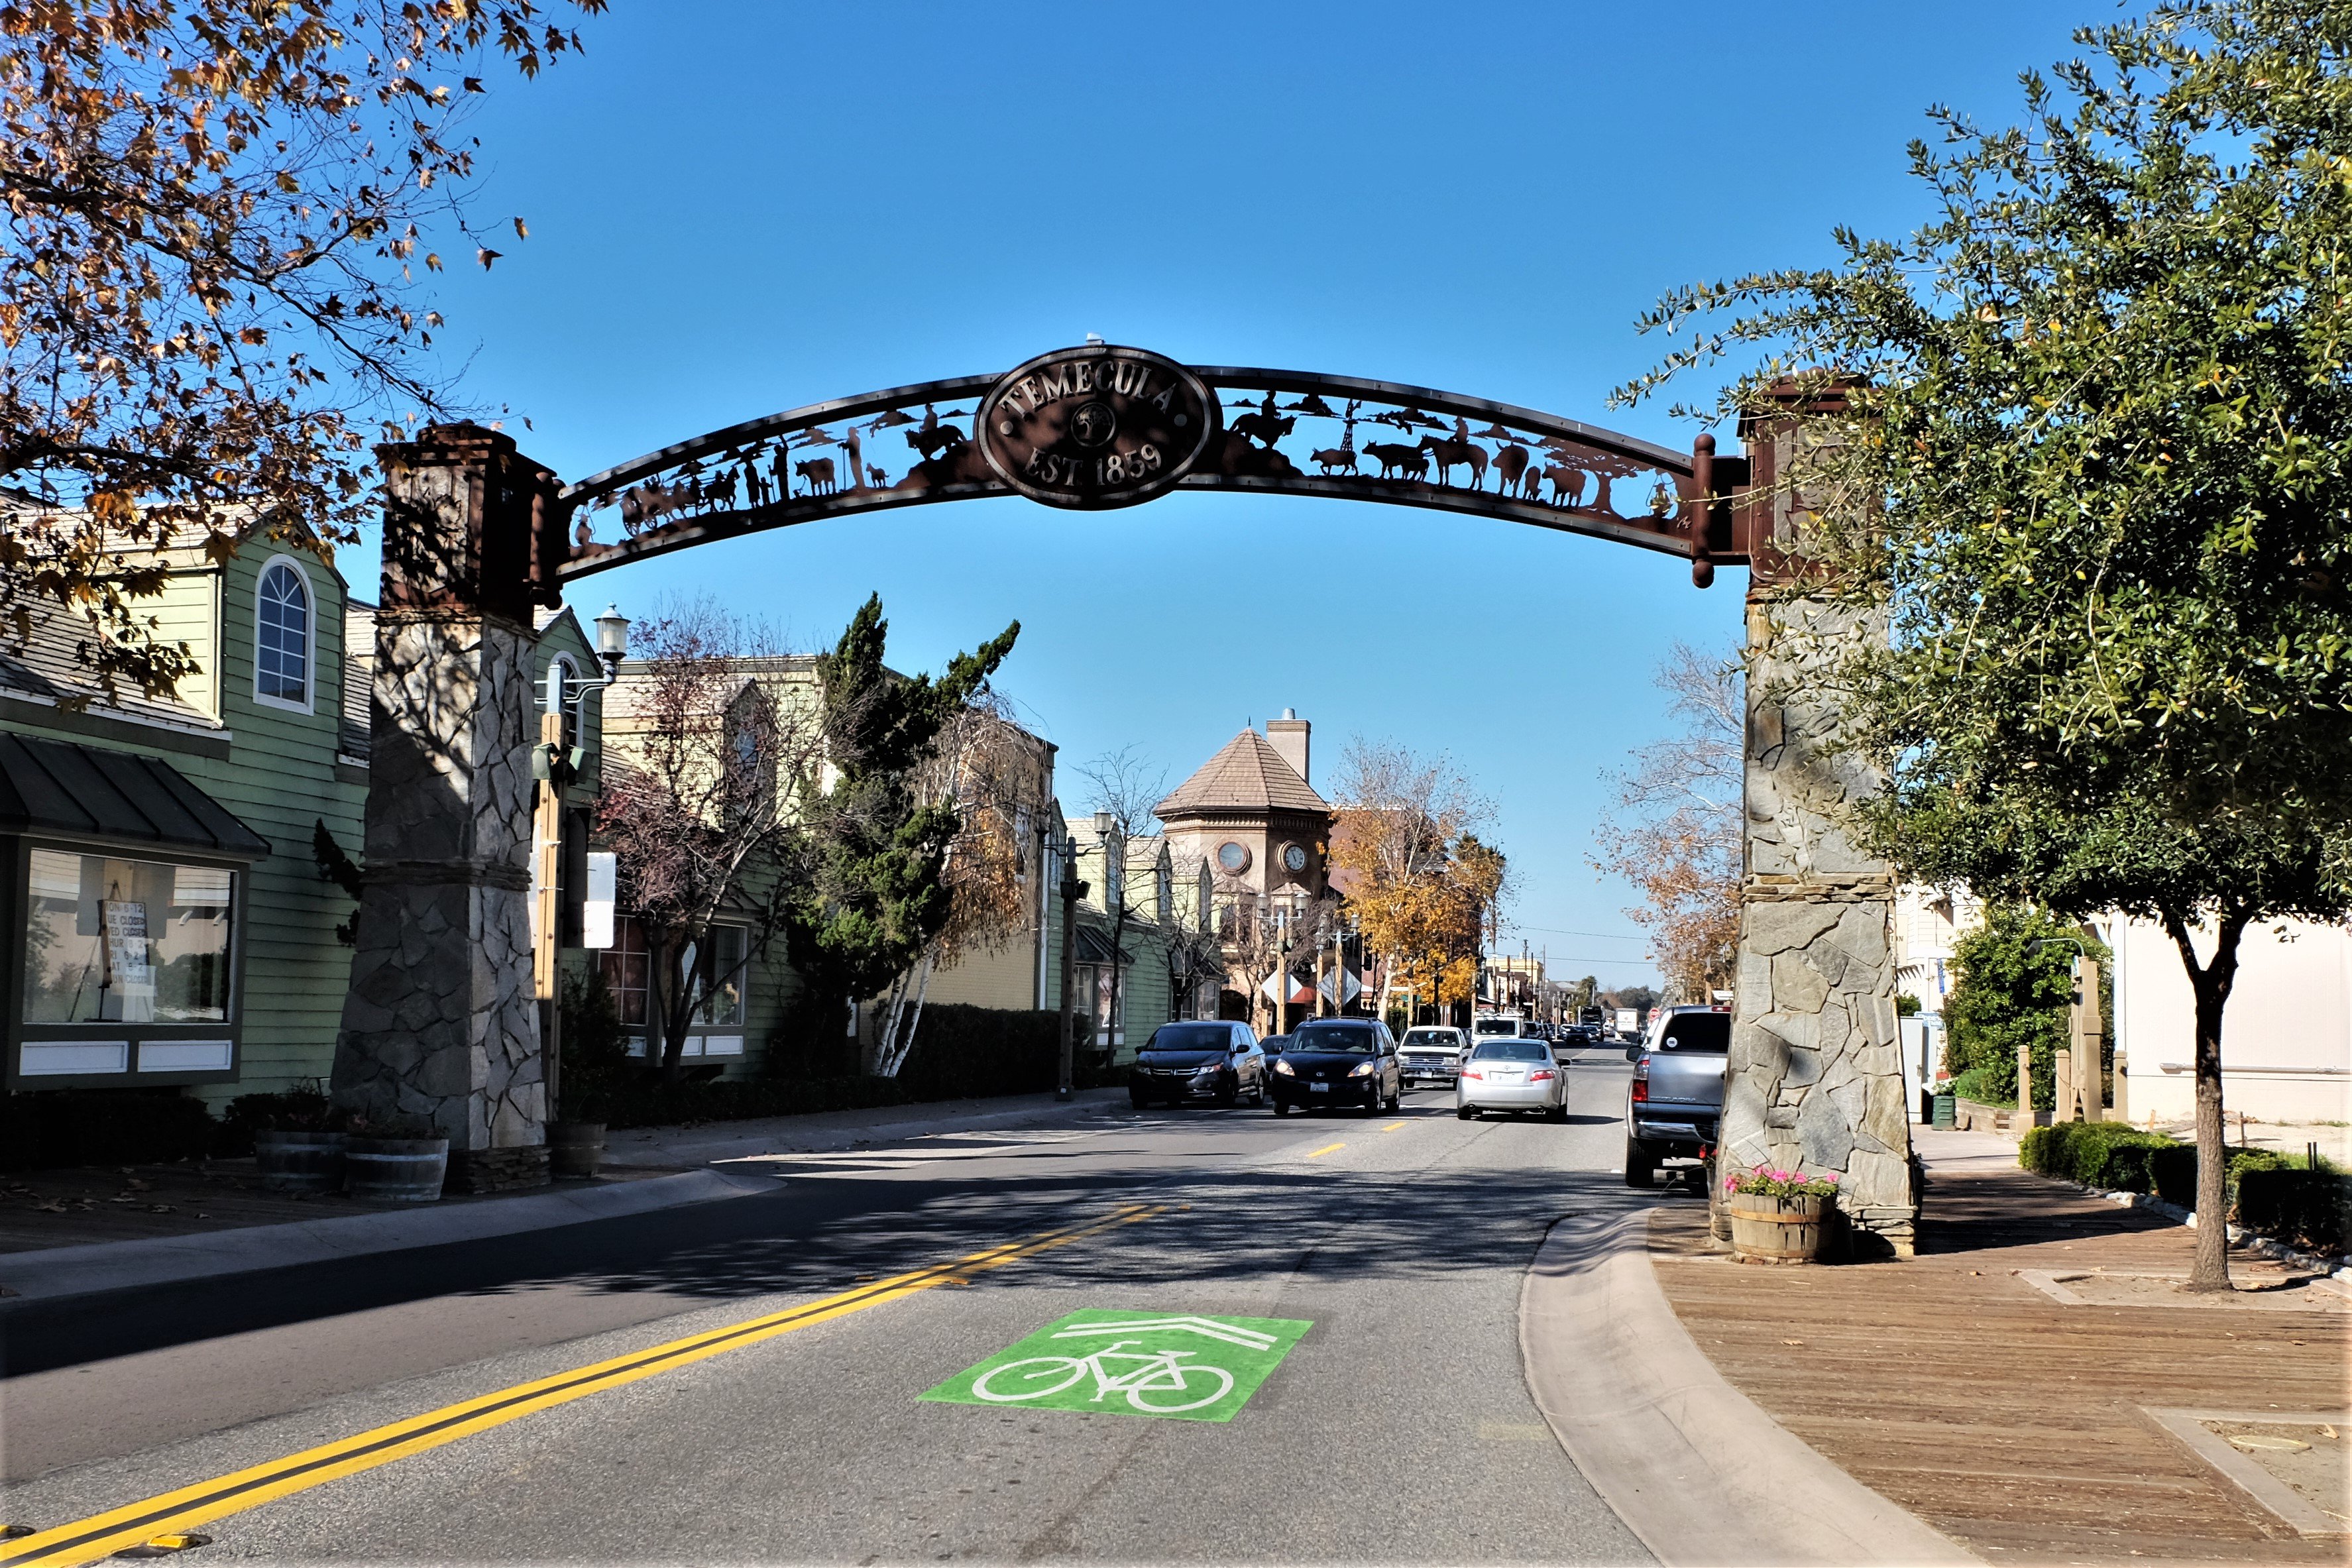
(1697, 1032)
(1190, 1037)
(1431, 1038)
(1512, 1051)
(1334, 1038)
(1496, 1026)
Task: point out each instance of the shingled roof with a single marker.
(1247, 775)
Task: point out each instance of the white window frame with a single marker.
(310, 637)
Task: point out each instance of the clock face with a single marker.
(1294, 858)
(1234, 858)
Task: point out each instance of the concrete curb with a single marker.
(1693, 1467)
(53, 1272)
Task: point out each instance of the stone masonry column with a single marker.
(1815, 1077)
(440, 1024)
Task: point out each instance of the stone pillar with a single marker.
(440, 1026)
(1815, 1078)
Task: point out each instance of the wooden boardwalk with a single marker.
(2016, 1425)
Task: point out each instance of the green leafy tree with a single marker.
(2085, 435)
(2012, 992)
(872, 895)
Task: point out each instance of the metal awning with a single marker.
(117, 797)
(1094, 947)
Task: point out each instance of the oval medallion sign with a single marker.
(1096, 427)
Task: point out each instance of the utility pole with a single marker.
(1282, 970)
(1072, 891)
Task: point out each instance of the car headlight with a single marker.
(1364, 1070)
(1283, 1068)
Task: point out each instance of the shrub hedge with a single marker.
(45, 1128)
(2288, 1199)
(2311, 1209)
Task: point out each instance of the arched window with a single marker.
(283, 626)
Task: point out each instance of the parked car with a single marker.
(1513, 1075)
(1274, 1046)
(1219, 1062)
(1431, 1053)
(1674, 1103)
(1338, 1061)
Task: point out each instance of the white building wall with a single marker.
(2287, 1033)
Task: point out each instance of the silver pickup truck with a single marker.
(1676, 1096)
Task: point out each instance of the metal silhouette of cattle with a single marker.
(1334, 459)
(1398, 460)
(1264, 428)
(1510, 463)
(1567, 484)
(1452, 453)
(818, 472)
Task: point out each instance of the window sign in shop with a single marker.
(109, 940)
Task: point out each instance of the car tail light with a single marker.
(1474, 1073)
(1539, 1075)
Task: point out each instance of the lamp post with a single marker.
(611, 646)
(1072, 891)
(1115, 904)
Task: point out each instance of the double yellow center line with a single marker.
(101, 1535)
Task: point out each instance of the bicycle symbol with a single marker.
(1157, 1373)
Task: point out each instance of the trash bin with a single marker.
(1946, 1114)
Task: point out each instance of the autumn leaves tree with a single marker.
(1674, 833)
(1419, 879)
(218, 217)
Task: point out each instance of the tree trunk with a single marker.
(2211, 982)
(677, 1012)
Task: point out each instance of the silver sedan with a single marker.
(1511, 1074)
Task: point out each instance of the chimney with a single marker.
(1288, 735)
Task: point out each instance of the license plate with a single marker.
(1319, 1087)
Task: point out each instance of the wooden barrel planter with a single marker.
(1768, 1229)
(574, 1150)
(395, 1170)
(300, 1162)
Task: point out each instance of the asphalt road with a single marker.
(1399, 1427)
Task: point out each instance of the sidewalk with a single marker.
(66, 1233)
(2033, 1385)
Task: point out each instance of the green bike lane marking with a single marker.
(1174, 1366)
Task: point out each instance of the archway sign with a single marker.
(1102, 425)
(441, 1024)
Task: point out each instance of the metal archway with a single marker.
(914, 446)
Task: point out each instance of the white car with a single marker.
(1513, 1075)
(1432, 1053)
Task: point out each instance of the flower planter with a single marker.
(1768, 1229)
(574, 1150)
(395, 1170)
(300, 1162)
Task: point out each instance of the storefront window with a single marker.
(133, 942)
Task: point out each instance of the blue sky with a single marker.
(737, 208)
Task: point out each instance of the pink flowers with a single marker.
(1767, 1182)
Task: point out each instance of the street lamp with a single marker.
(612, 639)
(1072, 890)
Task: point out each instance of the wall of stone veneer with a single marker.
(440, 1024)
(1815, 1076)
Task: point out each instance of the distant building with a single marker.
(1251, 815)
(2287, 1031)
